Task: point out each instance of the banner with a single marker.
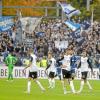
(17, 73)
(90, 76)
(69, 10)
(6, 23)
(29, 24)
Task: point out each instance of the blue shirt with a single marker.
(74, 59)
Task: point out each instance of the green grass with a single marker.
(15, 91)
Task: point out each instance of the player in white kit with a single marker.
(84, 65)
(33, 71)
(52, 70)
(66, 72)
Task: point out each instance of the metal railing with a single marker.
(0, 7)
(45, 10)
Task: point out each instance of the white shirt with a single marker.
(52, 67)
(66, 62)
(33, 67)
(84, 64)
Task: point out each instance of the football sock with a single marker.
(11, 77)
(28, 86)
(72, 86)
(53, 83)
(90, 87)
(64, 88)
(81, 87)
(39, 84)
(50, 82)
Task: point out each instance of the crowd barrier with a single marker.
(17, 73)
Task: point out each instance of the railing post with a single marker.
(63, 16)
(57, 11)
(88, 5)
(0, 7)
(46, 11)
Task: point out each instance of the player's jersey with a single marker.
(84, 64)
(74, 59)
(10, 60)
(59, 61)
(52, 67)
(66, 62)
(33, 67)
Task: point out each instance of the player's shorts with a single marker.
(84, 75)
(66, 74)
(52, 74)
(33, 75)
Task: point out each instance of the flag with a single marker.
(72, 26)
(69, 10)
(6, 23)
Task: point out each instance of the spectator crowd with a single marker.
(52, 35)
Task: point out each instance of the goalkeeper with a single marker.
(10, 61)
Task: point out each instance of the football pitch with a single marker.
(15, 91)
